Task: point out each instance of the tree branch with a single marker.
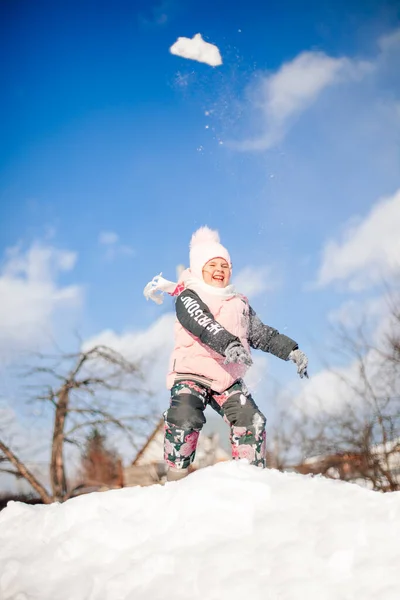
(26, 474)
(16, 474)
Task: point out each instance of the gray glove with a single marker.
(301, 362)
(236, 353)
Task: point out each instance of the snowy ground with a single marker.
(226, 532)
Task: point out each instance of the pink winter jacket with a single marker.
(192, 356)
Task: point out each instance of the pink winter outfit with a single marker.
(214, 330)
(192, 356)
(209, 319)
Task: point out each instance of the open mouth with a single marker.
(218, 277)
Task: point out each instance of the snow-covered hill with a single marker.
(230, 531)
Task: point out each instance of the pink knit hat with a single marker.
(204, 246)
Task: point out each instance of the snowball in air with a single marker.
(197, 49)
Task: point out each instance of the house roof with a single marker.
(150, 439)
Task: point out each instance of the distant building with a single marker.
(149, 467)
(357, 467)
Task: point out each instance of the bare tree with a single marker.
(84, 390)
(362, 439)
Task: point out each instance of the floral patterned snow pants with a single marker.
(185, 418)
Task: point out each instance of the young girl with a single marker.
(214, 330)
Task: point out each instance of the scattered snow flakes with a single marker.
(182, 80)
(197, 49)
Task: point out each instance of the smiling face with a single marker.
(217, 272)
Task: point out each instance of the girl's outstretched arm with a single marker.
(195, 316)
(268, 339)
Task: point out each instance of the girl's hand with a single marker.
(301, 361)
(236, 353)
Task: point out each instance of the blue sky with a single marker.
(114, 151)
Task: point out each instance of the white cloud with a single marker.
(296, 86)
(197, 49)
(389, 41)
(291, 90)
(326, 391)
(110, 240)
(354, 313)
(30, 295)
(252, 281)
(368, 251)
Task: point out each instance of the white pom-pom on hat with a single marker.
(204, 246)
(204, 235)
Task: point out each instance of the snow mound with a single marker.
(230, 531)
(197, 49)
